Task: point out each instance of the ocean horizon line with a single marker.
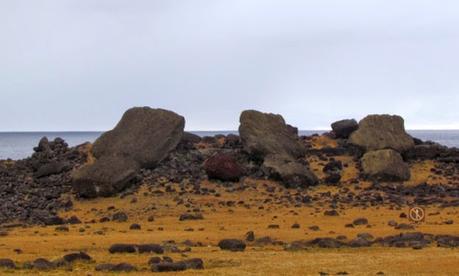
(212, 130)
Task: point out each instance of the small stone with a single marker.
(250, 236)
(120, 217)
(331, 213)
(135, 226)
(295, 226)
(360, 221)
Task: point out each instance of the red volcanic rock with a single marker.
(223, 167)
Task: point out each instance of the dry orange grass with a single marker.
(227, 222)
(319, 142)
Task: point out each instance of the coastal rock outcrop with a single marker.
(378, 132)
(385, 165)
(142, 138)
(144, 135)
(344, 128)
(263, 134)
(268, 138)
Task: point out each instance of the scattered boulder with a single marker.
(410, 239)
(385, 165)
(291, 173)
(195, 263)
(73, 220)
(122, 248)
(265, 134)
(7, 263)
(232, 245)
(223, 166)
(150, 248)
(120, 217)
(168, 267)
(135, 226)
(447, 241)
(377, 132)
(331, 213)
(360, 221)
(188, 141)
(142, 138)
(164, 266)
(42, 264)
(154, 260)
(80, 256)
(344, 128)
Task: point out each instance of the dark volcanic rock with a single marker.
(122, 248)
(180, 165)
(142, 138)
(32, 189)
(232, 245)
(120, 217)
(291, 173)
(150, 248)
(385, 165)
(80, 256)
(378, 132)
(430, 151)
(331, 213)
(42, 264)
(195, 263)
(55, 167)
(360, 221)
(327, 243)
(344, 128)
(447, 241)
(188, 141)
(135, 226)
(250, 236)
(177, 266)
(168, 267)
(411, 239)
(7, 263)
(223, 166)
(263, 134)
(73, 220)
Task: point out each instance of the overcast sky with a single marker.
(79, 64)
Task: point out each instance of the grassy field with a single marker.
(234, 222)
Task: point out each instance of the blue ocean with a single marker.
(18, 145)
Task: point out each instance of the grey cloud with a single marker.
(77, 65)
